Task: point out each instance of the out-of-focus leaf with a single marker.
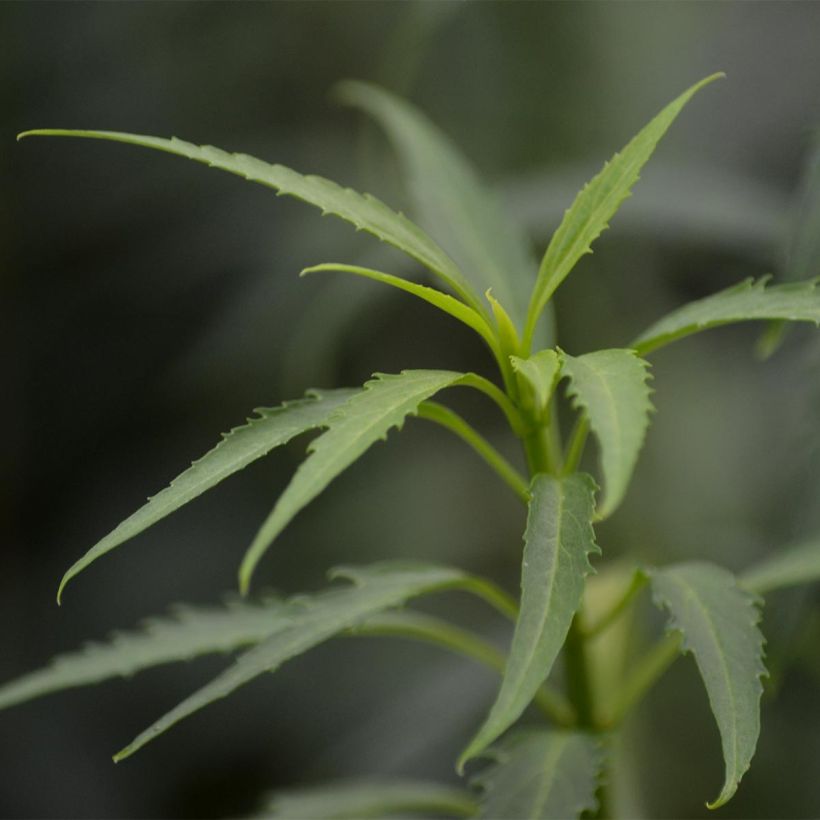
(718, 622)
(790, 567)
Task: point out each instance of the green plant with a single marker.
(554, 768)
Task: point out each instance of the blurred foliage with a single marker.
(148, 305)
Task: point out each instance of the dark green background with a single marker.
(148, 304)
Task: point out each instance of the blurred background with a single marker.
(149, 304)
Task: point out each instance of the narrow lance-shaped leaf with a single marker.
(558, 542)
(188, 633)
(541, 775)
(314, 620)
(356, 799)
(718, 623)
(596, 204)
(365, 419)
(610, 387)
(794, 566)
(272, 427)
(540, 372)
(450, 201)
(364, 211)
(749, 300)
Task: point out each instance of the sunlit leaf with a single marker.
(364, 211)
(270, 428)
(718, 624)
(311, 621)
(596, 204)
(541, 775)
(383, 798)
(790, 567)
(610, 387)
(749, 300)
(557, 544)
(362, 421)
(450, 201)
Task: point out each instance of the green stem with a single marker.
(425, 628)
(432, 411)
(492, 594)
(638, 582)
(509, 409)
(575, 448)
(643, 676)
(579, 683)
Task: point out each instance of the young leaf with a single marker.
(596, 204)
(450, 201)
(557, 544)
(313, 620)
(365, 419)
(188, 633)
(610, 387)
(364, 211)
(718, 623)
(541, 775)
(443, 301)
(794, 566)
(540, 373)
(272, 427)
(794, 302)
(357, 799)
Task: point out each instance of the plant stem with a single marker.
(492, 594)
(432, 411)
(638, 582)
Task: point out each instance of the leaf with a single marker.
(541, 775)
(364, 211)
(794, 566)
(443, 301)
(540, 373)
(188, 633)
(450, 200)
(365, 419)
(312, 621)
(718, 623)
(596, 204)
(354, 799)
(272, 427)
(557, 544)
(610, 387)
(749, 300)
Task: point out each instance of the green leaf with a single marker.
(364, 211)
(541, 775)
(610, 387)
(792, 567)
(188, 633)
(443, 301)
(272, 427)
(365, 419)
(311, 621)
(557, 544)
(540, 373)
(450, 200)
(718, 623)
(354, 799)
(749, 300)
(596, 204)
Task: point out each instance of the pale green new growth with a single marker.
(188, 633)
(557, 544)
(540, 373)
(364, 211)
(718, 624)
(541, 775)
(596, 204)
(362, 421)
(314, 620)
(749, 300)
(450, 201)
(610, 388)
(371, 798)
(271, 428)
(792, 567)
